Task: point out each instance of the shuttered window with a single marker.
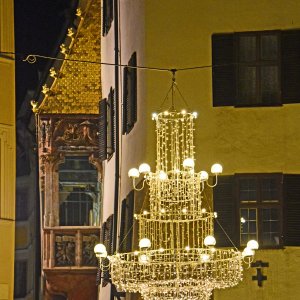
(108, 16)
(265, 207)
(130, 95)
(126, 226)
(107, 126)
(256, 68)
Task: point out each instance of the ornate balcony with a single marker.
(70, 247)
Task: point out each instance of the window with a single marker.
(20, 288)
(108, 15)
(260, 205)
(126, 229)
(22, 204)
(107, 234)
(107, 126)
(78, 192)
(256, 68)
(130, 95)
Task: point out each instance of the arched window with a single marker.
(78, 192)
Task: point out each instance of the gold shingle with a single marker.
(77, 89)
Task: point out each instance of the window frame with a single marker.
(129, 95)
(107, 16)
(225, 67)
(258, 64)
(107, 126)
(63, 221)
(259, 205)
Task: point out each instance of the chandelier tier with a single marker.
(177, 258)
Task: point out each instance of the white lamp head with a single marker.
(133, 173)
(253, 244)
(216, 169)
(100, 250)
(203, 175)
(210, 241)
(144, 168)
(145, 243)
(188, 163)
(247, 252)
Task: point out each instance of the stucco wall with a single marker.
(7, 151)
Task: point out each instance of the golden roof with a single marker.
(76, 88)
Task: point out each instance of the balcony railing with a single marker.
(70, 247)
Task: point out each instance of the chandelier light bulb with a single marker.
(183, 111)
(188, 163)
(100, 250)
(205, 257)
(154, 116)
(144, 168)
(144, 259)
(145, 243)
(203, 210)
(216, 169)
(162, 175)
(253, 244)
(195, 114)
(243, 220)
(210, 241)
(203, 175)
(133, 173)
(247, 252)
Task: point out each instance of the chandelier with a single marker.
(177, 257)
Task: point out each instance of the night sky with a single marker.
(40, 27)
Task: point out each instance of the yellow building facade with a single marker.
(7, 150)
(257, 139)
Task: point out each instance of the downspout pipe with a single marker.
(117, 146)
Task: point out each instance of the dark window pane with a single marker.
(20, 288)
(249, 225)
(247, 85)
(269, 47)
(270, 226)
(248, 189)
(269, 189)
(247, 48)
(22, 204)
(269, 84)
(78, 192)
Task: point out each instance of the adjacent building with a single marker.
(70, 172)
(7, 150)
(246, 93)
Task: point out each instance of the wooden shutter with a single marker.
(225, 206)
(102, 130)
(291, 184)
(110, 123)
(122, 227)
(109, 246)
(133, 90)
(126, 226)
(125, 100)
(224, 69)
(130, 208)
(290, 66)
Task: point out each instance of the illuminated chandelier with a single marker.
(177, 258)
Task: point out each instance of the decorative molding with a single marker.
(7, 171)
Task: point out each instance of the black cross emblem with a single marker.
(259, 264)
